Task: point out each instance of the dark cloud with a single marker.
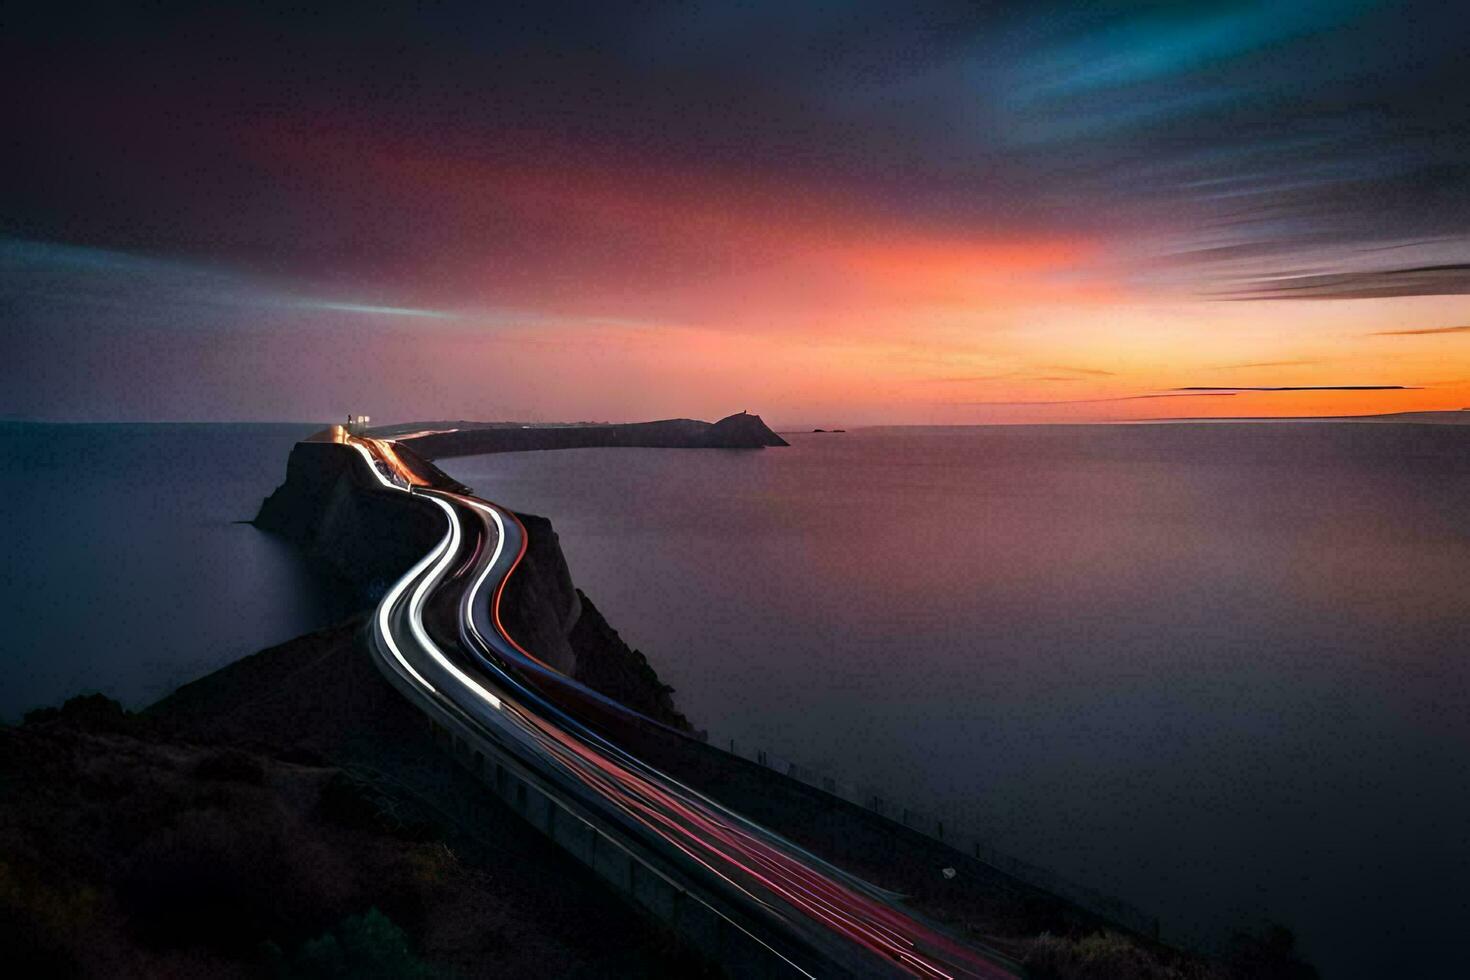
(1429, 280)
(1419, 333)
(1120, 398)
(1401, 245)
(1233, 388)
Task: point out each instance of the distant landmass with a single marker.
(436, 440)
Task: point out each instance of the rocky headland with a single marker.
(436, 440)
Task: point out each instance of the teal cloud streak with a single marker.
(1174, 41)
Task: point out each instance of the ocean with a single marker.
(1219, 671)
(121, 568)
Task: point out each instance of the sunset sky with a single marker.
(828, 214)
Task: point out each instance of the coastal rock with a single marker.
(541, 606)
(331, 510)
(742, 431)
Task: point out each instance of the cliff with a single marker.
(740, 431)
(332, 509)
(541, 606)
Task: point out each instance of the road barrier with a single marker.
(639, 876)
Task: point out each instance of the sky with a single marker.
(945, 213)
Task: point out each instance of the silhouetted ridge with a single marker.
(741, 431)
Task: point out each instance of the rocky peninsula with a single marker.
(367, 540)
(437, 440)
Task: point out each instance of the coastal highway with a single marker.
(438, 635)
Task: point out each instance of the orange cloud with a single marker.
(948, 272)
(577, 231)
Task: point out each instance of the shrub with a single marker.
(92, 712)
(226, 879)
(347, 801)
(1106, 956)
(369, 946)
(1269, 955)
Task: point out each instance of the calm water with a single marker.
(120, 569)
(1220, 671)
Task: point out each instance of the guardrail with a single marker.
(642, 878)
(950, 830)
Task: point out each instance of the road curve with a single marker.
(438, 634)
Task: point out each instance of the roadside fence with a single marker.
(951, 830)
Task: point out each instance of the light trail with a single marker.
(416, 616)
(792, 888)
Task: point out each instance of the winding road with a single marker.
(439, 639)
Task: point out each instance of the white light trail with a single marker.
(416, 604)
